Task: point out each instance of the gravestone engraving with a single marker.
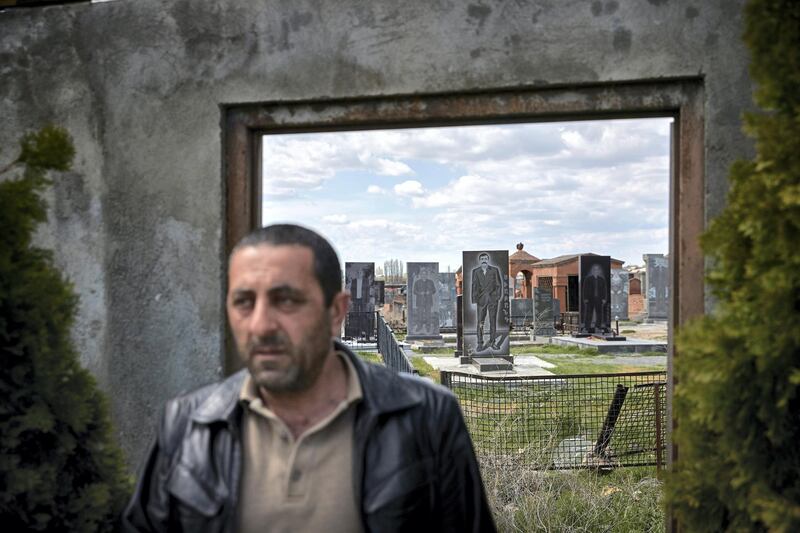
(521, 313)
(447, 301)
(657, 280)
(359, 282)
(486, 309)
(543, 312)
(423, 301)
(619, 293)
(595, 294)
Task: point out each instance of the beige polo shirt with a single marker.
(303, 484)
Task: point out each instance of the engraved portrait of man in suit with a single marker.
(486, 292)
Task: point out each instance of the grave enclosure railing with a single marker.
(565, 421)
(569, 322)
(392, 353)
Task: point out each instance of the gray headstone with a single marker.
(423, 300)
(619, 293)
(447, 300)
(657, 294)
(543, 312)
(459, 326)
(521, 312)
(486, 310)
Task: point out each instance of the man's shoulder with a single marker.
(415, 389)
(227, 387)
(205, 403)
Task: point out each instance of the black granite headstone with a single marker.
(486, 312)
(595, 294)
(360, 281)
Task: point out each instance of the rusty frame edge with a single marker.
(680, 98)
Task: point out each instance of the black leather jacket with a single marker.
(414, 467)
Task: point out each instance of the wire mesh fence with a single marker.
(392, 353)
(566, 421)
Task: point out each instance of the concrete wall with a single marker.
(138, 224)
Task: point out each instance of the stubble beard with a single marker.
(307, 360)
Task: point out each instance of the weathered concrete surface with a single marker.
(138, 224)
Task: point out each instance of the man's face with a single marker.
(595, 270)
(278, 316)
(484, 259)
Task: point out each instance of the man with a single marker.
(306, 437)
(487, 285)
(594, 293)
(424, 291)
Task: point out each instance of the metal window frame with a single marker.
(244, 124)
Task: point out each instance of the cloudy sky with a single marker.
(427, 194)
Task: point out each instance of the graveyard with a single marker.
(550, 396)
(590, 210)
(560, 405)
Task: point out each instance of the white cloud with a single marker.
(409, 188)
(558, 187)
(336, 219)
(388, 167)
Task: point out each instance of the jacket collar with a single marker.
(384, 392)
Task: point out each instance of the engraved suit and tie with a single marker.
(487, 290)
(594, 293)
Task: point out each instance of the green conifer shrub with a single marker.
(60, 469)
(737, 399)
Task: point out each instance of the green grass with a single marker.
(623, 501)
(435, 351)
(371, 357)
(552, 348)
(425, 369)
(580, 365)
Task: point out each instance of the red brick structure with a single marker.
(522, 262)
(561, 275)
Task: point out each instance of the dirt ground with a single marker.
(653, 332)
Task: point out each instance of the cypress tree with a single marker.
(736, 399)
(60, 469)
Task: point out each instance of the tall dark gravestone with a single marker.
(459, 326)
(423, 301)
(486, 313)
(360, 282)
(543, 312)
(657, 268)
(595, 293)
(379, 289)
(521, 312)
(619, 293)
(447, 301)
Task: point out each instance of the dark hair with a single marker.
(326, 262)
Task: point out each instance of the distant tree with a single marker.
(60, 469)
(394, 271)
(737, 393)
